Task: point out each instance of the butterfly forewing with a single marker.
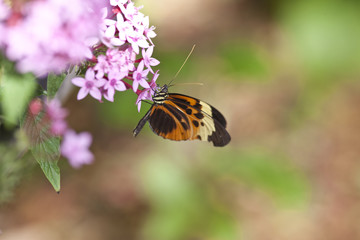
(168, 123)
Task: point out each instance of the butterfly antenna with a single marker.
(182, 65)
(146, 102)
(190, 83)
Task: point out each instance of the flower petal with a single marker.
(95, 93)
(144, 83)
(90, 74)
(117, 42)
(149, 51)
(120, 86)
(154, 62)
(83, 92)
(135, 85)
(78, 81)
(110, 95)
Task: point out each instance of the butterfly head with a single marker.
(160, 95)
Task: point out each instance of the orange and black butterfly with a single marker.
(179, 117)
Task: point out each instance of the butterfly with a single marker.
(180, 117)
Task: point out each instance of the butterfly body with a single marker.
(180, 117)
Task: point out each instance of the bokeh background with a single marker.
(286, 76)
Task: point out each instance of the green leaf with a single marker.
(44, 146)
(51, 171)
(47, 153)
(53, 83)
(16, 91)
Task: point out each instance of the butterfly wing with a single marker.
(182, 117)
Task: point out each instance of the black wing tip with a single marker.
(220, 137)
(218, 116)
(221, 141)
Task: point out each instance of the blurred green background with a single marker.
(286, 76)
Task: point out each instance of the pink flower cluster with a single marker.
(124, 31)
(49, 35)
(75, 147)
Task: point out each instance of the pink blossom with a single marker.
(124, 27)
(56, 115)
(148, 60)
(149, 31)
(102, 66)
(75, 147)
(110, 38)
(130, 58)
(89, 84)
(108, 33)
(125, 32)
(147, 93)
(35, 107)
(131, 12)
(140, 76)
(52, 34)
(113, 84)
(137, 40)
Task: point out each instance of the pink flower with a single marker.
(52, 34)
(149, 31)
(140, 77)
(102, 66)
(148, 60)
(131, 12)
(110, 38)
(125, 32)
(137, 39)
(56, 115)
(147, 93)
(89, 84)
(113, 84)
(130, 57)
(35, 107)
(75, 147)
(124, 27)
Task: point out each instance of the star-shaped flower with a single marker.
(75, 147)
(113, 84)
(147, 93)
(140, 76)
(89, 84)
(148, 60)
